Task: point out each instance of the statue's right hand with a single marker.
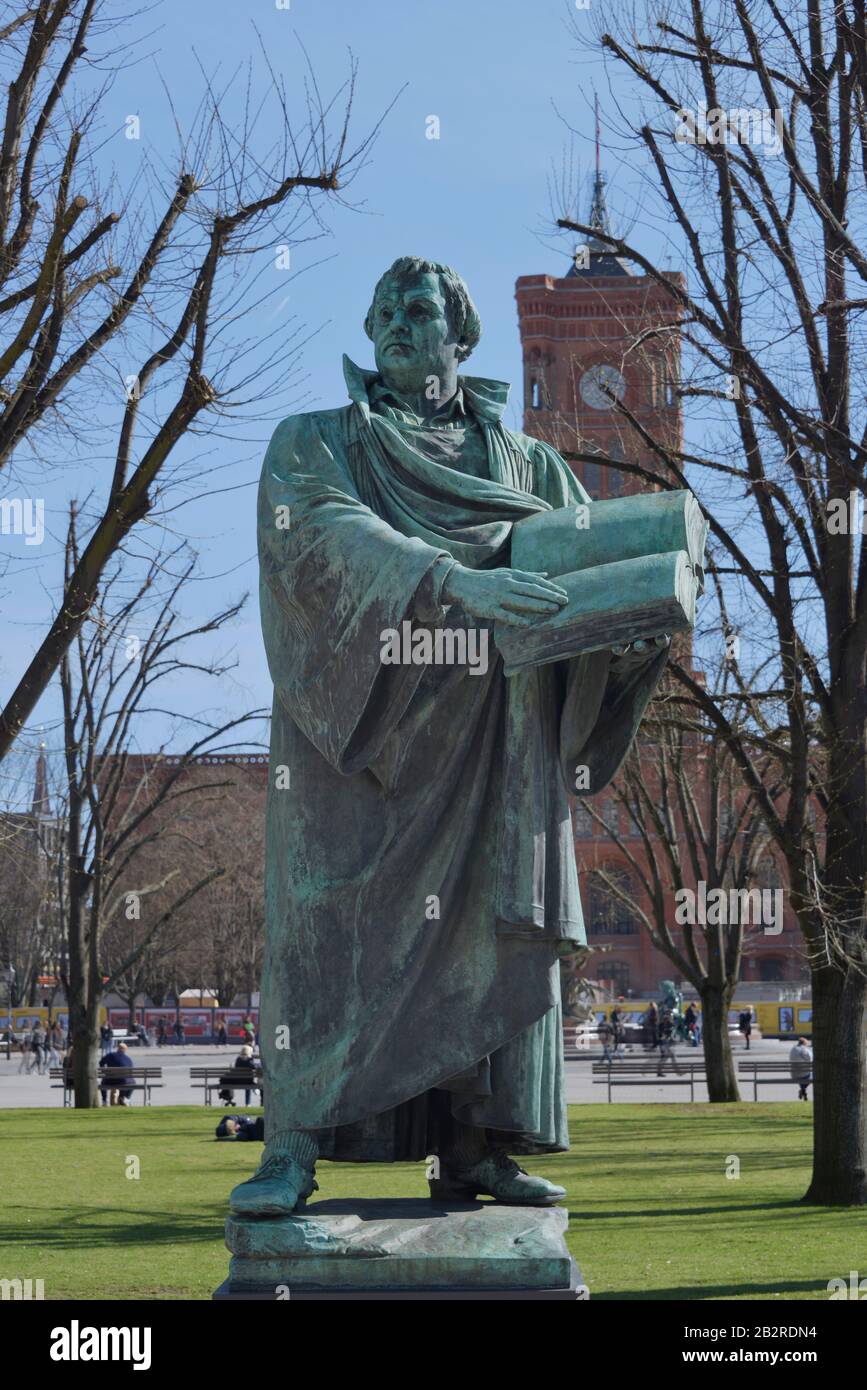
(518, 597)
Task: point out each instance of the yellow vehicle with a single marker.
(25, 1017)
(792, 1018)
(780, 1018)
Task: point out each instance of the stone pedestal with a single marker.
(403, 1249)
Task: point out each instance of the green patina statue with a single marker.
(421, 879)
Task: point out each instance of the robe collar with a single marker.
(485, 398)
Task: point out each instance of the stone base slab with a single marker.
(402, 1248)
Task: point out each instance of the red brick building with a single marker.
(603, 330)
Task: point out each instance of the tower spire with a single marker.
(595, 256)
(598, 209)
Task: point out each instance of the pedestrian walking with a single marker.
(651, 1025)
(801, 1066)
(605, 1034)
(666, 1044)
(619, 1027)
(27, 1054)
(53, 1045)
(38, 1047)
(105, 1038)
(745, 1025)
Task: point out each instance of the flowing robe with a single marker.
(421, 882)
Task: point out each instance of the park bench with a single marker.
(146, 1079)
(640, 1073)
(765, 1074)
(210, 1079)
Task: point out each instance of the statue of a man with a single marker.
(421, 883)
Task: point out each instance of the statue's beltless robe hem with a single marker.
(421, 883)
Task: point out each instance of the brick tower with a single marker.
(600, 329)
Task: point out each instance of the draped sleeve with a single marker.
(333, 578)
(604, 700)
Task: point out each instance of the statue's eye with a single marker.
(386, 315)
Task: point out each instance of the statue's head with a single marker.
(422, 323)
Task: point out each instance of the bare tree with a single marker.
(756, 137)
(120, 808)
(140, 304)
(217, 937)
(31, 855)
(684, 799)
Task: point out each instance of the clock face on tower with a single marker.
(594, 380)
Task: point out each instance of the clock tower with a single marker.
(598, 335)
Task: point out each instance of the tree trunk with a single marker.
(83, 1025)
(839, 1084)
(722, 1082)
(83, 1008)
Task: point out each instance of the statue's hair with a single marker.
(462, 311)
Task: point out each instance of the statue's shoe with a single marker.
(496, 1176)
(280, 1186)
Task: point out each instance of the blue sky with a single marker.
(496, 73)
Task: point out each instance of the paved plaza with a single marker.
(17, 1089)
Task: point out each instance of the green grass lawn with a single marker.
(653, 1214)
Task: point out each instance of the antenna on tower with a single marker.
(596, 256)
(598, 209)
(596, 107)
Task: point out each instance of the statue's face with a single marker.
(412, 336)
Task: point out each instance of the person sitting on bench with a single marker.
(119, 1088)
(244, 1062)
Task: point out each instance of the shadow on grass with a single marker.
(83, 1230)
(718, 1209)
(697, 1292)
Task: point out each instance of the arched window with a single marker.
(535, 395)
(771, 969)
(608, 915)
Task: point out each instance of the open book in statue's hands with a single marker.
(631, 567)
